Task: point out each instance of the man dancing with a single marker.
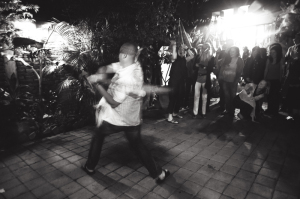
(120, 110)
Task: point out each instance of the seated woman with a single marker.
(247, 98)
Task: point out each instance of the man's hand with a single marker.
(97, 78)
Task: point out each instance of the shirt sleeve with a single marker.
(114, 67)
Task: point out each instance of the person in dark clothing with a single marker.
(190, 82)
(219, 59)
(246, 53)
(263, 55)
(254, 67)
(293, 79)
(178, 74)
(274, 74)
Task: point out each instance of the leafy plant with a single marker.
(16, 114)
(15, 101)
(10, 11)
(287, 22)
(75, 94)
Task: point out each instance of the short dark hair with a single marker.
(276, 47)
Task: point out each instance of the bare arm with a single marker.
(101, 74)
(174, 52)
(105, 69)
(258, 97)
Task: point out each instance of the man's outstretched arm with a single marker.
(100, 75)
(107, 96)
(106, 69)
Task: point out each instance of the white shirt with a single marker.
(125, 81)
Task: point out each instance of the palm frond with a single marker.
(49, 69)
(77, 38)
(65, 30)
(67, 84)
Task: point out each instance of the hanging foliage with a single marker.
(288, 22)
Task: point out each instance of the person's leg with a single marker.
(272, 97)
(204, 98)
(133, 135)
(237, 102)
(277, 96)
(196, 98)
(188, 92)
(96, 144)
(232, 93)
(208, 100)
(171, 105)
(222, 96)
(246, 109)
(226, 91)
(178, 97)
(181, 94)
(258, 108)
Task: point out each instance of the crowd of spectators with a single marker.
(244, 81)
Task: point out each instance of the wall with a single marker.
(26, 76)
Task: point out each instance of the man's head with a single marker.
(297, 39)
(127, 53)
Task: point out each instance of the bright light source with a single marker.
(245, 28)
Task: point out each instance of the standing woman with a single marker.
(230, 74)
(273, 74)
(254, 67)
(178, 74)
(204, 66)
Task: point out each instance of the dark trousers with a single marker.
(222, 96)
(229, 90)
(188, 89)
(245, 108)
(133, 135)
(175, 97)
(274, 97)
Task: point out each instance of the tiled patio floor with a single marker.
(207, 158)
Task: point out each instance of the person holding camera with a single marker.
(204, 65)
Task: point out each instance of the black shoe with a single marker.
(203, 116)
(194, 116)
(167, 173)
(83, 167)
